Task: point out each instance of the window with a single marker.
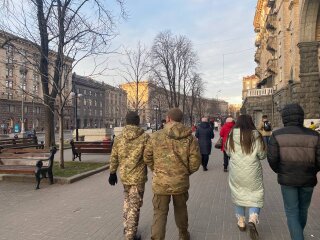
(9, 96)
(84, 102)
(9, 72)
(37, 110)
(95, 94)
(85, 91)
(11, 108)
(24, 86)
(95, 102)
(100, 113)
(9, 84)
(100, 104)
(26, 109)
(36, 88)
(95, 112)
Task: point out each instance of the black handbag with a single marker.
(218, 144)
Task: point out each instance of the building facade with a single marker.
(90, 102)
(287, 57)
(152, 104)
(115, 106)
(99, 104)
(21, 96)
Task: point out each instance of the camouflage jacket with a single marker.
(173, 155)
(127, 155)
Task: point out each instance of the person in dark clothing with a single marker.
(224, 133)
(294, 154)
(204, 134)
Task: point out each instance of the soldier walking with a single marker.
(127, 155)
(173, 155)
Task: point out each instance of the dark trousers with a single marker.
(205, 160)
(296, 203)
(225, 160)
(266, 140)
(161, 208)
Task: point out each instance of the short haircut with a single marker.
(132, 118)
(264, 116)
(175, 114)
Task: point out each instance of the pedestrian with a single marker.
(173, 155)
(204, 134)
(312, 126)
(265, 129)
(294, 154)
(246, 148)
(127, 155)
(224, 133)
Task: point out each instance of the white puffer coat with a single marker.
(245, 175)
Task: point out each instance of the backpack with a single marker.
(267, 126)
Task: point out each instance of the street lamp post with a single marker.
(76, 95)
(22, 114)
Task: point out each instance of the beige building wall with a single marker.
(249, 82)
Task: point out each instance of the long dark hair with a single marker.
(247, 137)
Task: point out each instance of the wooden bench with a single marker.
(28, 161)
(80, 147)
(21, 143)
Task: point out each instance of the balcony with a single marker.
(271, 3)
(272, 44)
(260, 92)
(257, 43)
(258, 72)
(257, 55)
(271, 22)
(272, 66)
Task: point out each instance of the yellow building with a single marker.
(248, 83)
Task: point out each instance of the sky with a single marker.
(221, 32)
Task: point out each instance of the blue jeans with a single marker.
(296, 203)
(240, 211)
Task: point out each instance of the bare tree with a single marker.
(196, 87)
(134, 70)
(62, 31)
(173, 59)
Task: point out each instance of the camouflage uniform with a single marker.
(173, 155)
(127, 155)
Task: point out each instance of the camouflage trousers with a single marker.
(133, 200)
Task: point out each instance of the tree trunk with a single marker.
(49, 127)
(61, 140)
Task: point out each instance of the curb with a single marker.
(59, 180)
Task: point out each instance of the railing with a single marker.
(259, 92)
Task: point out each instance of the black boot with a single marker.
(137, 237)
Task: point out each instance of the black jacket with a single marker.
(204, 134)
(294, 153)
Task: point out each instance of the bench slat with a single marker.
(92, 146)
(17, 169)
(93, 150)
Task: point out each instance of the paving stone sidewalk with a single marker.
(91, 209)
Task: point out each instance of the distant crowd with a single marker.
(175, 152)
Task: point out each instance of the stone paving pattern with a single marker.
(91, 209)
